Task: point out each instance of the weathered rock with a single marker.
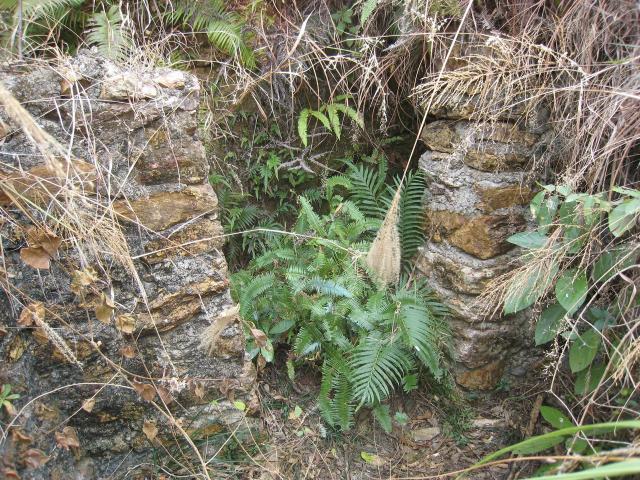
(483, 378)
(126, 301)
(476, 199)
(486, 147)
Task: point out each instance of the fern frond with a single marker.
(256, 287)
(351, 113)
(368, 189)
(328, 287)
(378, 367)
(107, 32)
(303, 125)
(419, 332)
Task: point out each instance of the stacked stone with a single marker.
(137, 131)
(476, 198)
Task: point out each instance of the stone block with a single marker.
(483, 236)
(165, 209)
(483, 378)
(489, 147)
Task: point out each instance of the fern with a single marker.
(368, 189)
(303, 125)
(368, 8)
(378, 366)
(223, 28)
(419, 331)
(257, 286)
(411, 224)
(107, 32)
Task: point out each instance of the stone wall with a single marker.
(116, 344)
(480, 184)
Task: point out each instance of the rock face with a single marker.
(119, 348)
(477, 197)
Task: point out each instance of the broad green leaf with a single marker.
(583, 350)
(267, 351)
(617, 469)
(613, 261)
(555, 417)
(525, 290)
(381, 412)
(571, 289)
(240, 405)
(537, 446)
(573, 232)
(528, 240)
(588, 380)
(549, 323)
(562, 433)
(371, 458)
(623, 217)
(546, 212)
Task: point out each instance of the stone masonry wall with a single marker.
(110, 365)
(479, 187)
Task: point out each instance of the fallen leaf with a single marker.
(126, 323)
(105, 309)
(50, 244)
(81, 279)
(10, 473)
(372, 459)
(199, 390)
(67, 438)
(165, 395)
(150, 430)
(295, 413)
(146, 391)
(128, 351)
(240, 405)
(16, 348)
(259, 336)
(88, 404)
(35, 257)
(19, 436)
(34, 458)
(31, 314)
(11, 410)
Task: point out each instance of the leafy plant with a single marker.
(311, 289)
(328, 116)
(107, 32)
(6, 397)
(223, 28)
(565, 222)
(571, 436)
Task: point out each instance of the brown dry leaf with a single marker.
(16, 348)
(259, 336)
(36, 257)
(105, 309)
(146, 391)
(11, 410)
(128, 351)
(199, 390)
(40, 336)
(19, 436)
(165, 395)
(150, 430)
(88, 404)
(67, 438)
(31, 314)
(34, 458)
(51, 244)
(81, 279)
(126, 323)
(10, 473)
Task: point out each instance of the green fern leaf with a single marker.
(256, 287)
(378, 366)
(332, 112)
(351, 113)
(367, 9)
(322, 117)
(303, 123)
(108, 34)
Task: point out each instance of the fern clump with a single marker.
(311, 289)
